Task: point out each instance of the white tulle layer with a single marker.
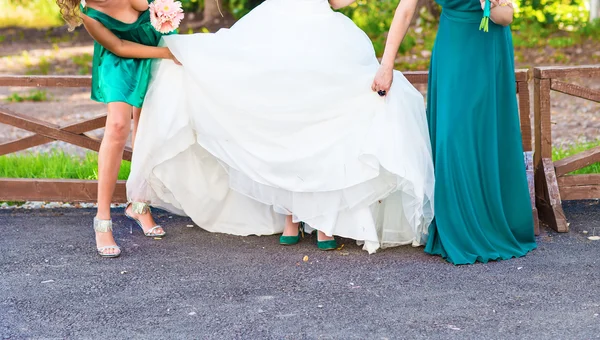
(276, 116)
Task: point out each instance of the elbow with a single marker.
(338, 4)
(118, 49)
(335, 4)
(404, 14)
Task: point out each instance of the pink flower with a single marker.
(165, 15)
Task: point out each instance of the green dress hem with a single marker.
(482, 204)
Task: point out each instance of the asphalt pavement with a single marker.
(196, 285)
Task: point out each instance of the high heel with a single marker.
(326, 245)
(291, 240)
(105, 226)
(142, 208)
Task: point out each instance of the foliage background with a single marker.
(372, 16)
(558, 23)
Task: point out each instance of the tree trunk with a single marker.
(211, 11)
(432, 7)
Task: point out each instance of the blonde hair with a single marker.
(69, 10)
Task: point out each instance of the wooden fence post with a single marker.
(547, 193)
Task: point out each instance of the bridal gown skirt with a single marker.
(276, 117)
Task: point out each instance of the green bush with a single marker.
(191, 5)
(561, 14)
(374, 17)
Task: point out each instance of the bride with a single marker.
(274, 122)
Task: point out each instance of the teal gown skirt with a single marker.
(483, 209)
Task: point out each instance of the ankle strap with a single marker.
(102, 226)
(139, 208)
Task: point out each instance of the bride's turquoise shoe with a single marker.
(291, 240)
(326, 245)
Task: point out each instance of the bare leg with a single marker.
(322, 237)
(291, 228)
(146, 219)
(109, 161)
(137, 111)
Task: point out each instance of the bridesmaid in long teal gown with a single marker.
(483, 209)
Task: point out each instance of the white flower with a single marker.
(83, 4)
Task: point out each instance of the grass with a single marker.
(43, 67)
(32, 96)
(83, 62)
(55, 164)
(37, 66)
(29, 14)
(566, 151)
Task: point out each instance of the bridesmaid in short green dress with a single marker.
(117, 79)
(483, 210)
(124, 45)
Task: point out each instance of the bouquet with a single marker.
(165, 15)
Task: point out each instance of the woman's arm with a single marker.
(400, 24)
(123, 48)
(337, 4)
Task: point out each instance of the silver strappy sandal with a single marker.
(105, 226)
(142, 208)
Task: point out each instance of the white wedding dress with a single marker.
(276, 116)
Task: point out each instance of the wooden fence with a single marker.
(22, 189)
(553, 182)
(85, 191)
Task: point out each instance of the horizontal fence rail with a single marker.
(55, 190)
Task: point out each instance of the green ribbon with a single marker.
(485, 21)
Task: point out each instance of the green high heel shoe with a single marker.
(291, 240)
(326, 245)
